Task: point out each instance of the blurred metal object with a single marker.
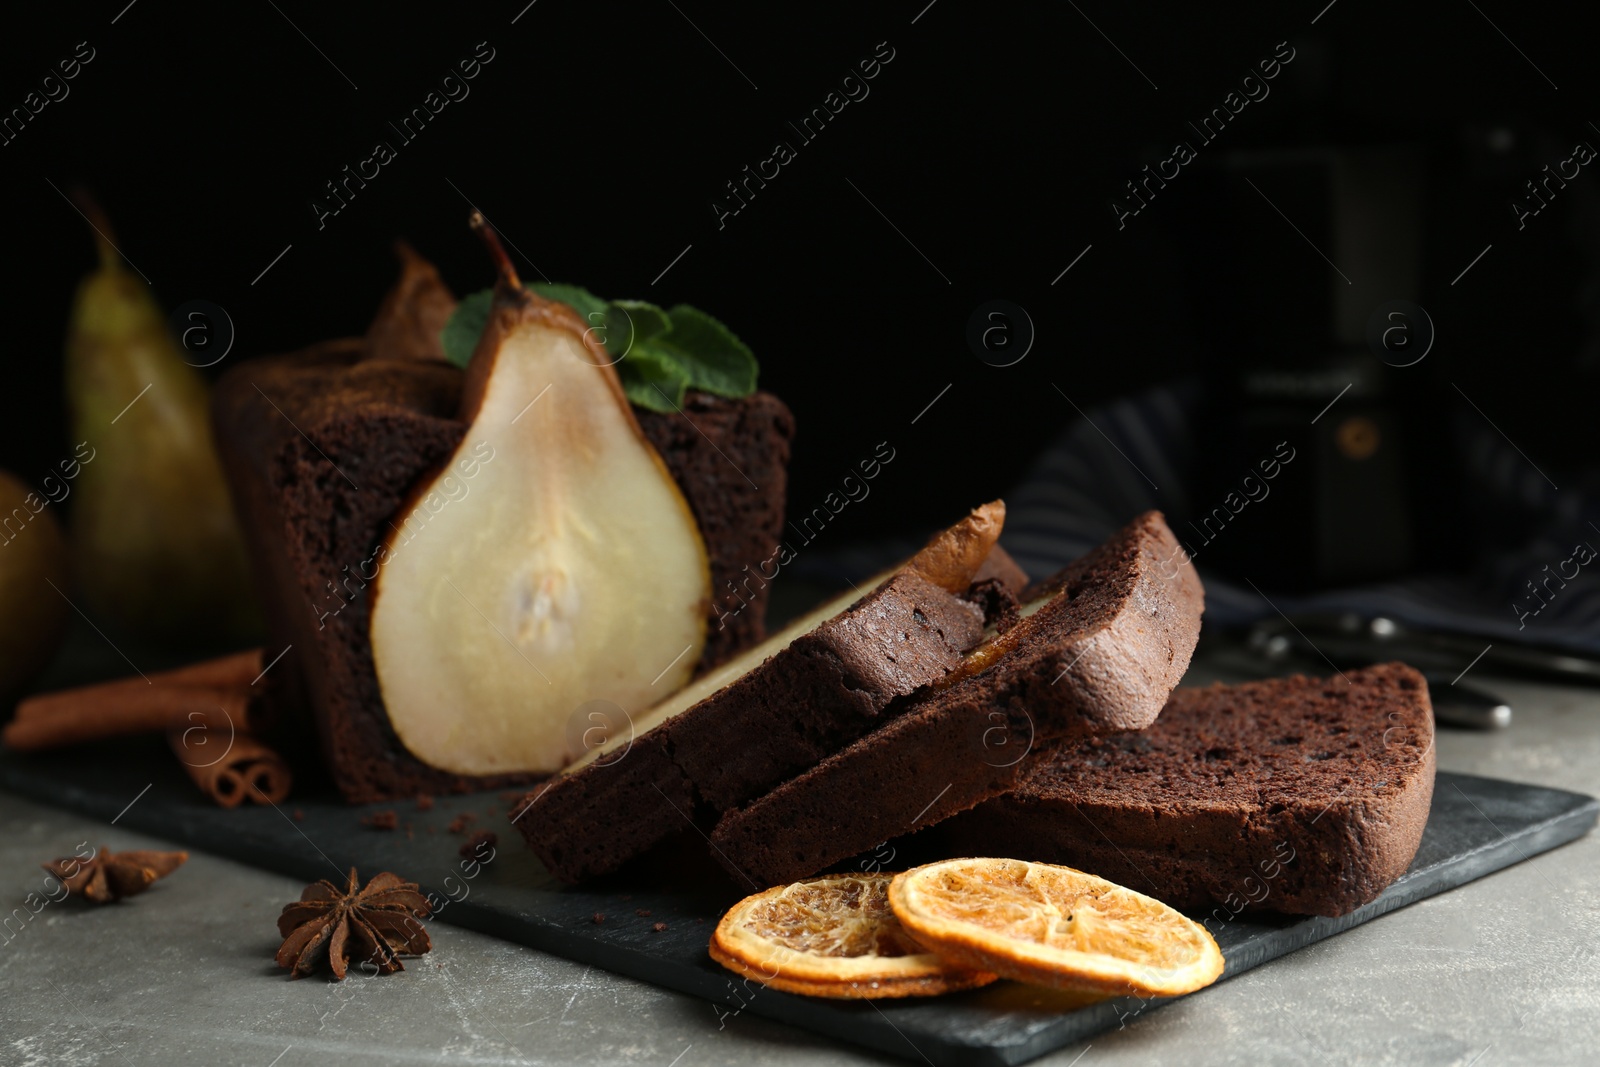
(1457, 703)
(1350, 638)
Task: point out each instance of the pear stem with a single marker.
(497, 252)
(104, 241)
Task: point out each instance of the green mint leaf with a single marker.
(464, 327)
(653, 378)
(590, 308)
(661, 354)
(716, 360)
(630, 321)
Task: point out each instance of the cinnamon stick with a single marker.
(73, 717)
(204, 709)
(231, 768)
(235, 671)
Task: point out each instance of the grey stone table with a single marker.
(1502, 971)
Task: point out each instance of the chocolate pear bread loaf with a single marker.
(788, 703)
(741, 528)
(711, 447)
(1299, 795)
(323, 447)
(1099, 650)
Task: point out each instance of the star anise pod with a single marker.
(375, 924)
(108, 876)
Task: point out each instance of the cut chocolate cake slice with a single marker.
(323, 447)
(772, 713)
(1100, 650)
(1299, 795)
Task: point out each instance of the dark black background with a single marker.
(598, 137)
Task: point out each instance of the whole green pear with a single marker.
(156, 546)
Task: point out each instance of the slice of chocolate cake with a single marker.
(1101, 651)
(321, 449)
(790, 702)
(1299, 795)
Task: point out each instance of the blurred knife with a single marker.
(1350, 638)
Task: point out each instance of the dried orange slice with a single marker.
(1054, 926)
(832, 936)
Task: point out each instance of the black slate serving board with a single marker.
(1477, 825)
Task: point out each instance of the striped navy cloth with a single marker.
(1088, 483)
